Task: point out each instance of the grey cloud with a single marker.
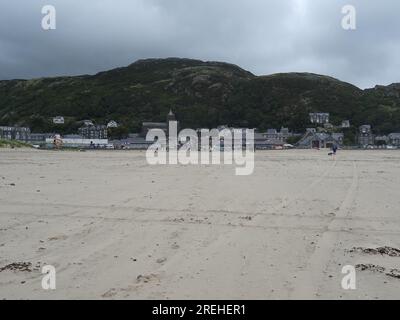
(263, 36)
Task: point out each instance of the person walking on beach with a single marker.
(334, 149)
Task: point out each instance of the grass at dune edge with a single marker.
(13, 144)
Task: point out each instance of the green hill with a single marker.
(202, 94)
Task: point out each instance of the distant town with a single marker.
(321, 134)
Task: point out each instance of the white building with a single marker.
(112, 124)
(88, 123)
(346, 124)
(77, 141)
(319, 117)
(58, 120)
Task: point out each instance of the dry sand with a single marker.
(117, 228)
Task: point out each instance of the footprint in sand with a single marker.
(147, 278)
(110, 293)
(59, 237)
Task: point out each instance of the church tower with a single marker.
(171, 116)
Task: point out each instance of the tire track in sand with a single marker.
(221, 243)
(312, 279)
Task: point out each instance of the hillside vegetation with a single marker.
(202, 94)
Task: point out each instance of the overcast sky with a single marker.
(262, 36)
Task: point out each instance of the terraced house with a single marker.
(93, 132)
(15, 133)
(365, 136)
(394, 139)
(319, 117)
(318, 140)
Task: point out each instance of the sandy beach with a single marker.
(116, 228)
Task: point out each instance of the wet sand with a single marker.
(116, 228)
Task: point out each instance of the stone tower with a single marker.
(171, 116)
